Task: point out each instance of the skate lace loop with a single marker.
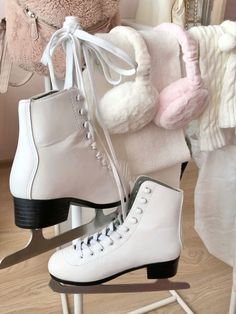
(80, 48)
(78, 43)
(100, 240)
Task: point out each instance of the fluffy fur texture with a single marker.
(131, 105)
(90, 12)
(150, 150)
(27, 37)
(227, 41)
(185, 99)
(128, 107)
(180, 104)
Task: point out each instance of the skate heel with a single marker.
(37, 214)
(162, 270)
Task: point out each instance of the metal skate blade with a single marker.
(38, 244)
(158, 285)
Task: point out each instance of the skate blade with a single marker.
(158, 285)
(38, 244)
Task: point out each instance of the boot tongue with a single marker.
(115, 224)
(135, 190)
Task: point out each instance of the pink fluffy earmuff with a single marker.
(131, 105)
(183, 100)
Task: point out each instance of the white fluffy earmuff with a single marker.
(131, 105)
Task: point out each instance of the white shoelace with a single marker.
(80, 45)
(114, 232)
(99, 241)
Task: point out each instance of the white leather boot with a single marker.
(57, 161)
(148, 238)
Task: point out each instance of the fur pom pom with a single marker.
(227, 42)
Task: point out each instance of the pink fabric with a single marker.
(27, 37)
(151, 149)
(185, 99)
(90, 12)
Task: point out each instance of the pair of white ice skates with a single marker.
(58, 163)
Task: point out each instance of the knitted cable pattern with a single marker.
(213, 70)
(227, 112)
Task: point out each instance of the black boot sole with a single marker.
(162, 270)
(37, 214)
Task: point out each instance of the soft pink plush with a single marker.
(183, 100)
(27, 36)
(90, 12)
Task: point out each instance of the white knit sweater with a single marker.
(218, 70)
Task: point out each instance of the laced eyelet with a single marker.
(81, 111)
(88, 136)
(143, 200)
(101, 250)
(94, 146)
(134, 220)
(104, 163)
(85, 124)
(127, 229)
(112, 243)
(139, 211)
(79, 97)
(147, 190)
(98, 155)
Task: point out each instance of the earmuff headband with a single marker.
(189, 49)
(142, 55)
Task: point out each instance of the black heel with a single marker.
(162, 270)
(37, 214)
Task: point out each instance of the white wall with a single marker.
(128, 8)
(9, 105)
